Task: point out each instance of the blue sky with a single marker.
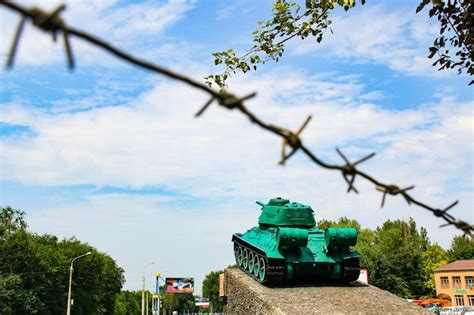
(111, 154)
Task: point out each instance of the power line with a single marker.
(53, 24)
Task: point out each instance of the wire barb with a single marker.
(67, 47)
(293, 140)
(231, 101)
(52, 23)
(392, 190)
(201, 111)
(349, 170)
(16, 39)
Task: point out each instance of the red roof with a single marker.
(467, 264)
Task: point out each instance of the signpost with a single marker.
(221, 285)
(156, 296)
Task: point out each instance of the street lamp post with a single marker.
(71, 269)
(157, 292)
(143, 288)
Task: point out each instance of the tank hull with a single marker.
(260, 254)
(286, 246)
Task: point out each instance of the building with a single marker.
(456, 282)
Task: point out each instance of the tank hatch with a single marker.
(282, 212)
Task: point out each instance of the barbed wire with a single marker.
(52, 23)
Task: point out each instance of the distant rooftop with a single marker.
(458, 265)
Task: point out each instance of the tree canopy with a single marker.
(461, 248)
(34, 272)
(210, 289)
(452, 49)
(456, 34)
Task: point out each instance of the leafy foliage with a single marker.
(398, 255)
(128, 302)
(15, 300)
(461, 248)
(289, 20)
(182, 303)
(210, 289)
(456, 34)
(11, 221)
(34, 273)
(343, 222)
(395, 259)
(452, 49)
(434, 257)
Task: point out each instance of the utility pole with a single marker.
(146, 298)
(71, 270)
(143, 287)
(156, 301)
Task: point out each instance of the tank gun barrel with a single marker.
(262, 204)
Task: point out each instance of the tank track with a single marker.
(351, 270)
(275, 270)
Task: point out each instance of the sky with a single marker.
(112, 154)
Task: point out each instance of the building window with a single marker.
(445, 282)
(457, 282)
(470, 300)
(469, 282)
(459, 300)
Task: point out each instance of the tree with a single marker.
(210, 289)
(289, 20)
(395, 259)
(128, 302)
(461, 248)
(456, 33)
(11, 221)
(343, 222)
(382, 251)
(14, 300)
(180, 302)
(434, 257)
(34, 273)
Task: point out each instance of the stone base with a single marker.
(246, 296)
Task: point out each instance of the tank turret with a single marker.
(286, 245)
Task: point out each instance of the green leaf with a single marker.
(422, 5)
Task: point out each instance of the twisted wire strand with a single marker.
(52, 23)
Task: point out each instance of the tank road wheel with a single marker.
(262, 273)
(251, 261)
(256, 265)
(245, 258)
(238, 255)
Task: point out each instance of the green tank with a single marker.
(286, 246)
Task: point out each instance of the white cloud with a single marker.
(221, 159)
(155, 141)
(228, 163)
(370, 34)
(125, 26)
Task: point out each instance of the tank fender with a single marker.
(292, 237)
